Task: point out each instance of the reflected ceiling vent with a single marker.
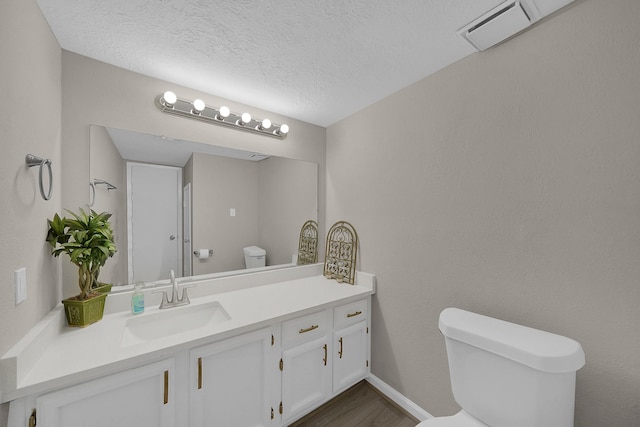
(256, 157)
(500, 23)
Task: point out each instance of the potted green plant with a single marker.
(87, 238)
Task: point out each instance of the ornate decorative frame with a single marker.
(308, 243)
(341, 251)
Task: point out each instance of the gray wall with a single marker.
(106, 164)
(271, 200)
(510, 188)
(507, 184)
(51, 97)
(220, 184)
(30, 123)
(285, 204)
(97, 93)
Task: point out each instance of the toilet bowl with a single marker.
(504, 374)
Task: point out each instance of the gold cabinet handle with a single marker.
(310, 328)
(166, 387)
(354, 314)
(340, 352)
(325, 355)
(199, 373)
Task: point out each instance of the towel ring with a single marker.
(31, 161)
(92, 189)
(92, 194)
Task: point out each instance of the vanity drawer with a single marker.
(304, 328)
(349, 314)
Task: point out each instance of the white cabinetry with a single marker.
(305, 364)
(350, 356)
(265, 378)
(229, 382)
(323, 354)
(351, 344)
(306, 377)
(141, 397)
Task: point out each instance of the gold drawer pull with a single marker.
(357, 313)
(325, 354)
(310, 328)
(199, 373)
(166, 387)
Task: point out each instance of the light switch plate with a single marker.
(232, 212)
(20, 281)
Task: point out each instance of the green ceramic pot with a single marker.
(84, 313)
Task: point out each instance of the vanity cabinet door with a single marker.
(141, 397)
(306, 377)
(350, 363)
(229, 382)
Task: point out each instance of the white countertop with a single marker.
(53, 355)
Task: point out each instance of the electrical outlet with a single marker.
(20, 282)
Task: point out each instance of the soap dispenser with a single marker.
(137, 299)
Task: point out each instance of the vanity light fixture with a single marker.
(244, 119)
(223, 113)
(198, 106)
(266, 124)
(168, 102)
(169, 98)
(283, 130)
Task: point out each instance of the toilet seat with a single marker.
(461, 419)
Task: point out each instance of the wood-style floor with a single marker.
(360, 406)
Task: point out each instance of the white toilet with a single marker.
(507, 375)
(254, 256)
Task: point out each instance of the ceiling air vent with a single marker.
(499, 24)
(256, 157)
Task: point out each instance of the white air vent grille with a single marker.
(256, 157)
(498, 24)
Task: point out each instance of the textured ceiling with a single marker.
(315, 60)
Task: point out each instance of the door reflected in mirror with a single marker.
(175, 199)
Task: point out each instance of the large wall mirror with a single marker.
(193, 207)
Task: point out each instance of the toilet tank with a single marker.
(254, 256)
(508, 375)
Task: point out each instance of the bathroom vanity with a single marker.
(260, 349)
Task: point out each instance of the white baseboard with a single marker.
(400, 400)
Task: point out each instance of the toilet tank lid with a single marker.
(540, 350)
(254, 251)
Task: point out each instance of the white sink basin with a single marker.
(172, 321)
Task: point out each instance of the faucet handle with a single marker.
(165, 298)
(184, 297)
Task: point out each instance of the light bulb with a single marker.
(246, 118)
(169, 97)
(284, 129)
(224, 111)
(266, 124)
(198, 106)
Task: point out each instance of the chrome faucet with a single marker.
(175, 301)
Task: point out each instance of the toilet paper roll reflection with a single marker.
(203, 253)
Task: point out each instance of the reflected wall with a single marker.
(247, 200)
